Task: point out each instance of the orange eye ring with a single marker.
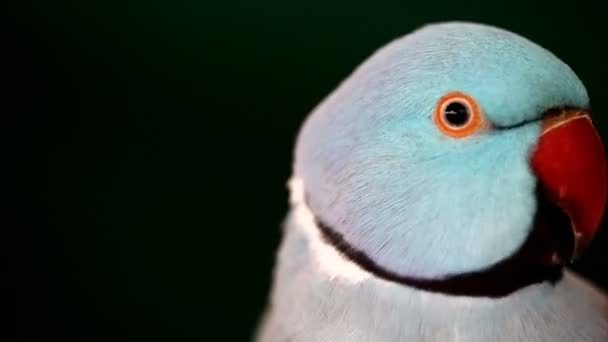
(458, 115)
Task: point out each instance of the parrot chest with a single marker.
(317, 297)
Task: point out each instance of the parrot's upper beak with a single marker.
(570, 164)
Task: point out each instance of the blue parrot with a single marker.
(438, 194)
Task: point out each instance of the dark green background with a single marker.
(149, 145)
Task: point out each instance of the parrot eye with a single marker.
(458, 115)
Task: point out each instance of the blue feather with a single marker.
(418, 202)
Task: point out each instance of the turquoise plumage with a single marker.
(385, 204)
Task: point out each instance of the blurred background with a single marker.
(149, 144)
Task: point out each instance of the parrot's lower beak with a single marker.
(570, 164)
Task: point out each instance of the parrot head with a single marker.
(452, 151)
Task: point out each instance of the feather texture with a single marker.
(314, 300)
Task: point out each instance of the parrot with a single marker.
(440, 193)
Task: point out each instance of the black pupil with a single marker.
(456, 114)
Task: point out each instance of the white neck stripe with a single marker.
(329, 260)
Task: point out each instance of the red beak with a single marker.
(570, 164)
